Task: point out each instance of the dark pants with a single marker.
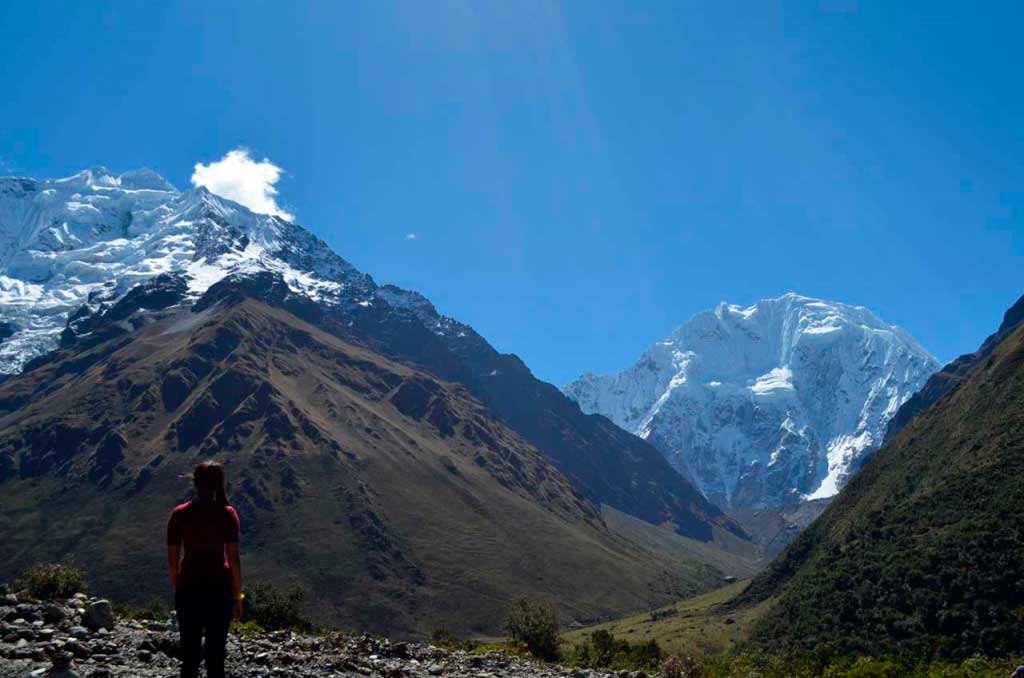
(203, 613)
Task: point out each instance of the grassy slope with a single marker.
(704, 623)
(921, 554)
(732, 555)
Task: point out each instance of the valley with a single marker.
(390, 462)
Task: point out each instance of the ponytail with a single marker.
(210, 482)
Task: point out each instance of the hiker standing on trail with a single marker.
(207, 578)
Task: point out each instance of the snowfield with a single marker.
(88, 239)
(768, 405)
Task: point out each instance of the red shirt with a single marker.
(203, 527)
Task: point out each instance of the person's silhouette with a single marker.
(207, 577)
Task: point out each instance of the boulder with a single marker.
(98, 615)
(53, 613)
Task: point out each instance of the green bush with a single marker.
(53, 581)
(535, 625)
(274, 609)
(605, 651)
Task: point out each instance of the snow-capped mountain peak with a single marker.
(96, 234)
(768, 404)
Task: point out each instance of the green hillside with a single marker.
(922, 555)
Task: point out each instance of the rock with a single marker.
(53, 613)
(61, 660)
(79, 632)
(98, 615)
(145, 656)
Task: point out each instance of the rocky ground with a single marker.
(82, 637)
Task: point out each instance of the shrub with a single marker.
(442, 637)
(274, 609)
(53, 581)
(535, 625)
(605, 651)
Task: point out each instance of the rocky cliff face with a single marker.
(768, 405)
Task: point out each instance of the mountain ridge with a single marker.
(320, 438)
(950, 375)
(107, 270)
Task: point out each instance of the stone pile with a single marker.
(82, 637)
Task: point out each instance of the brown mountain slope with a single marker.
(608, 465)
(392, 495)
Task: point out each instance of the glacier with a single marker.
(769, 405)
(84, 241)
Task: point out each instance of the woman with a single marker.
(207, 581)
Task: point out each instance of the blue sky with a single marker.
(580, 177)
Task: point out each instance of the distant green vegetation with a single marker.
(811, 666)
(921, 556)
(707, 637)
(53, 581)
(605, 651)
(700, 625)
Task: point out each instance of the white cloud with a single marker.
(238, 177)
(411, 236)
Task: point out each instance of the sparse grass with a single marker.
(517, 649)
(699, 624)
(154, 610)
(247, 629)
(53, 581)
